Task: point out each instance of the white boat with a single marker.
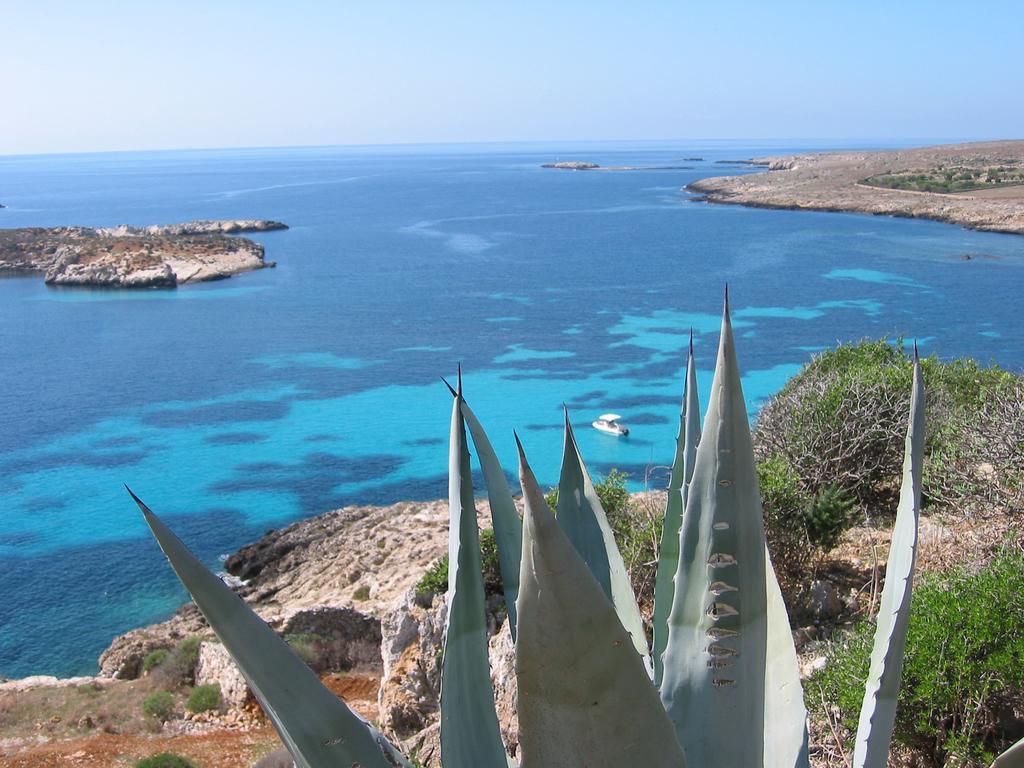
(609, 424)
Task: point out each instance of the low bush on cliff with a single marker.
(159, 705)
(178, 667)
(204, 698)
(155, 659)
(165, 760)
(963, 675)
(830, 443)
(435, 580)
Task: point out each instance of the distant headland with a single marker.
(583, 165)
(157, 256)
(978, 185)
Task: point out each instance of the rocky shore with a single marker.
(339, 587)
(834, 181)
(158, 256)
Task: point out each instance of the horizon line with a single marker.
(925, 141)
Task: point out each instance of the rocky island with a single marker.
(158, 256)
(573, 165)
(582, 165)
(978, 185)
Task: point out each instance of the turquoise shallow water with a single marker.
(237, 406)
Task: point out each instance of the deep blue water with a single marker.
(236, 406)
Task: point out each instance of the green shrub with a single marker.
(963, 674)
(362, 593)
(784, 502)
(187, 651)
(165, 760)
(617, 502)
(155, 659)
(840, 424)
(435, 580)
(159, 705)
(611, 490)
(637, 527)
(828, 516)
(204, 698)
(841, 421)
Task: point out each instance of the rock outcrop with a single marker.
(158, 256)
(334, 575)
(124, 657)
(833, 182)
(216, 666)
(573, 165)
(411, 651)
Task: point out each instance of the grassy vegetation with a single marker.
(949, 180)
(963, 676)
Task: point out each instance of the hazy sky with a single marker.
(106, 76)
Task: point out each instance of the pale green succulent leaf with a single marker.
(678, 485)
(583, 519)
(585, 698)
(508, 528)
(317, 728)
(470, 734)
(714, 675)
(878, 712)
(785, 716)
(1011, 758)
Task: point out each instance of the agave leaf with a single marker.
(584, 696)
(508, 528)
(878, 712)
(1011, 758)
(714, 679)
(678, 485)
(318, 729)
(584, 522)
(785, 716)
(470, 734)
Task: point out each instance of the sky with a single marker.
(99, 76)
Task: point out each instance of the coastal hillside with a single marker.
(158, 256)
(978, 185)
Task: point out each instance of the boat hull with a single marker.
(615, 430)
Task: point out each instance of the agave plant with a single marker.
(721, 688)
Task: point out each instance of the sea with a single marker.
(237, 406)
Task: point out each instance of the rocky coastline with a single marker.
(157, 256)
(834, 181)
(340, 587)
